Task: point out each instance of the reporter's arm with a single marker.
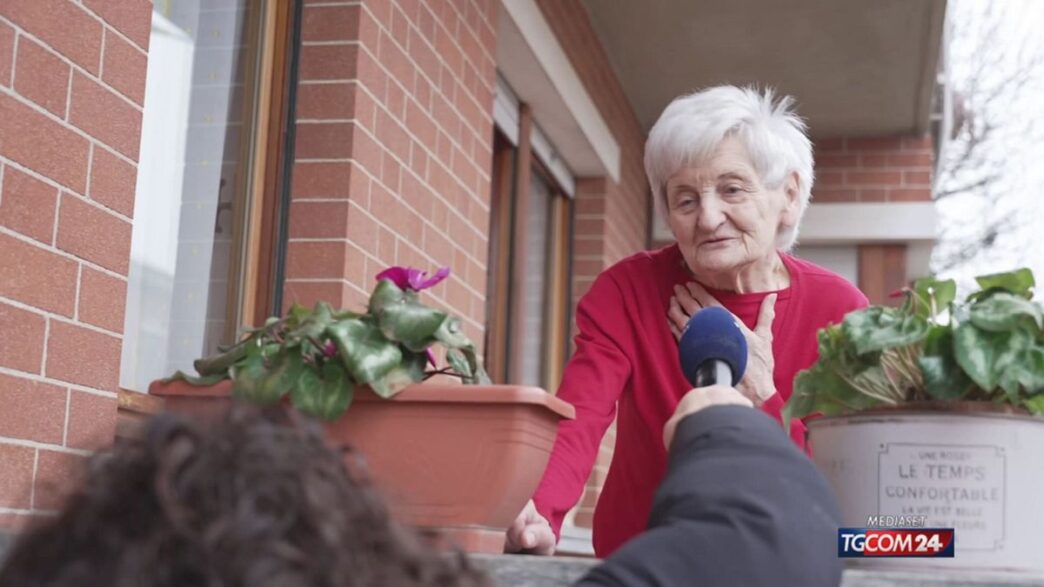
(740, 505)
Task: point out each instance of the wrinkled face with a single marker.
(724, 218)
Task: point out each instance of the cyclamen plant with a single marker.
(988, 348)
(320, 356)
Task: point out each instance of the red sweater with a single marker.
(626, 367)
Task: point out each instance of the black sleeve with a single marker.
(740, 505)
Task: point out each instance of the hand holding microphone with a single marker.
(713, 353)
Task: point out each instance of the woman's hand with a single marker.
(530, 533)
(698, 399)
(757, 383)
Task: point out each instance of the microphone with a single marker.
(713, 349)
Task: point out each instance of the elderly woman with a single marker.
(731, 171)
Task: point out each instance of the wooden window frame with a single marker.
(513, 169)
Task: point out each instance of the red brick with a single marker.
(322, 180)
(102, 300)
(392, 136)
(94, 234)
(910, 195)
(879, 195)
(872, 160)
(362, 230)
(318, 219)
(92, 421)
(113, 182)
(124, 68)
(917, 178)
(330, 23)
(131, 17)
(316, 260)
(836, 161)
(328, 62)
(325, 101)
(910, 160)
(881, 178)
(324, 140)
(372, 75)
(839, 195)
(32, 410)
(105, 116)
(830, 178)
(58, 474)
(63, 25)
(37, 277)
(45, 146)
(16, 484)
(308, 293)
(42, 76)
(875, 143)
(7, 41)
(82, 356)
(27, 205)
(917, 143)
(21, 346)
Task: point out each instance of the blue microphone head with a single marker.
(712, 334)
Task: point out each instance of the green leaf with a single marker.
(933, 296)
(248, 373)
(943, 377)
(385, 294)
(1004, 311)
(456, 358)
(327, 395)
(877, 328)
(313, 324)
(1019, 282)
(410, 371)
(284, 371)
(986, 356)
(412, 324)
(201, 381)
(366, 353)
(451, 334)
(1035, 404)
(220, 364)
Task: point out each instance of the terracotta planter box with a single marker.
(971, 466)
(461, 459)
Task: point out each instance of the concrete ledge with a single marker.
(533, 571)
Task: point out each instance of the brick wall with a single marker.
(393, 149)
(612, 219)
(72, 83)
(873, 169)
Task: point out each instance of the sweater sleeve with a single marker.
(593, 381)
(740, 506)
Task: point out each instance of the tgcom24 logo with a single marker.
(898, 539)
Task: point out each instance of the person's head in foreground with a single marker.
(731, 172)
(258, 499)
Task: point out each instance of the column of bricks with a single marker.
(873, 169)
(72, 84)
(393, 152)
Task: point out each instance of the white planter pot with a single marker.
(980, 473)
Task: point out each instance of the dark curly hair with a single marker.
(258, 499)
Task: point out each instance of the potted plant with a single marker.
(932, 411)
(462, 459)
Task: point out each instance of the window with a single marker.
(530, 245)
(195, 251)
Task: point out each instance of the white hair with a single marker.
(692, 127)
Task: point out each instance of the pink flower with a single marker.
(330, 349)
(431, 356)
(410, 278)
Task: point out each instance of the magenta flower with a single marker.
(329, 349)
(410, 278)
(431, 356)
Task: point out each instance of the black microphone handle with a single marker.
(713, 372)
